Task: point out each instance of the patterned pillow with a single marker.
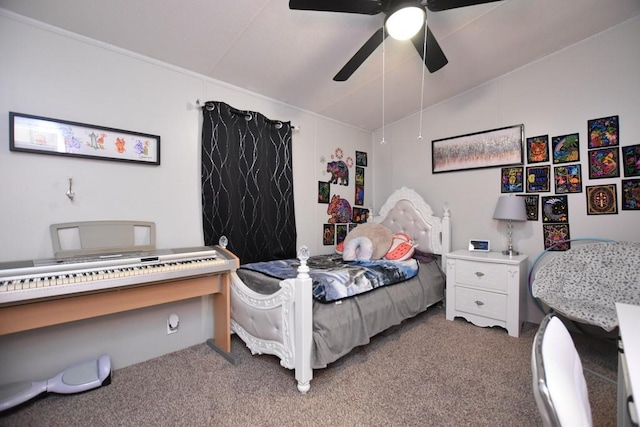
(402, 248)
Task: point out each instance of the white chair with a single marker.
(559, 386)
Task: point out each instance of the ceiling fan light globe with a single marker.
(404, 23)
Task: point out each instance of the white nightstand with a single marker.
(486, 288)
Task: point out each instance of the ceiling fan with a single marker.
(435, 58)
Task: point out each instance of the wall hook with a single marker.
(70, 193)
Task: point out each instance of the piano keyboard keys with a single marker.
(68, 278)
(52, 284)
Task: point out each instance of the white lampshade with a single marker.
(510, 208)
(405, 22)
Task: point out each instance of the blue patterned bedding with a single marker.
(335, 279)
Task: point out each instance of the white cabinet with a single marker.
(486, 288)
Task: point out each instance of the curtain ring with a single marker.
(248, 116)
(278, 125)
(209, 106)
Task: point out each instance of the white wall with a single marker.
(556, 95)
(48, 72)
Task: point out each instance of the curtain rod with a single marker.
(248, 115)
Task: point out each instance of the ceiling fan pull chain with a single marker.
(424, 55)
(383, 43)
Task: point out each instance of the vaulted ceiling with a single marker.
(292, 55)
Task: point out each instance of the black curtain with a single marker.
(247, 183)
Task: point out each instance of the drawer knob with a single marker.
(479, 303)
(479, 273)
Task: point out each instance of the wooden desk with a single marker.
(47, 312)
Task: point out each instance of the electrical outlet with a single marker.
(173, 321)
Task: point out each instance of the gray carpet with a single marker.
(428, 371)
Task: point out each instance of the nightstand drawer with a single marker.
(486, 304)
(481, 274)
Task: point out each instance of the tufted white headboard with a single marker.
(406, 211)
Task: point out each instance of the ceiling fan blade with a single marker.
(365, 7)
(361, 55)
(435, 56)
(438, 5)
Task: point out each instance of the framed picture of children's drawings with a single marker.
(43, 135)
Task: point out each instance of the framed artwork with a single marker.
(538, 179)
(341, 232)
(604, 163)
(556, 237)
(631, 160)
(603, 132)
(360, 215)
(602, 199)
(538, 149)
(531, 202)
(491, 148)
(565, 148)
(361, 158)
(630, 195)
(42, 135)
(359, 196)
(359, 175)
(323, 192)
(555, 209)
(328, 234)
(568, 179)
(511, 181)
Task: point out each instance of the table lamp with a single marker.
(510, 208)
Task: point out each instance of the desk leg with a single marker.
(221, 341)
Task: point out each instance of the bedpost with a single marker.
(303, 323)
(446, 234)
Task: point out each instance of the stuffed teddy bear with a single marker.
(371, 241)
(379, 236)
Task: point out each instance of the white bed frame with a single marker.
(281, 323)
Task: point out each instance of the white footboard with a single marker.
(279, 324)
